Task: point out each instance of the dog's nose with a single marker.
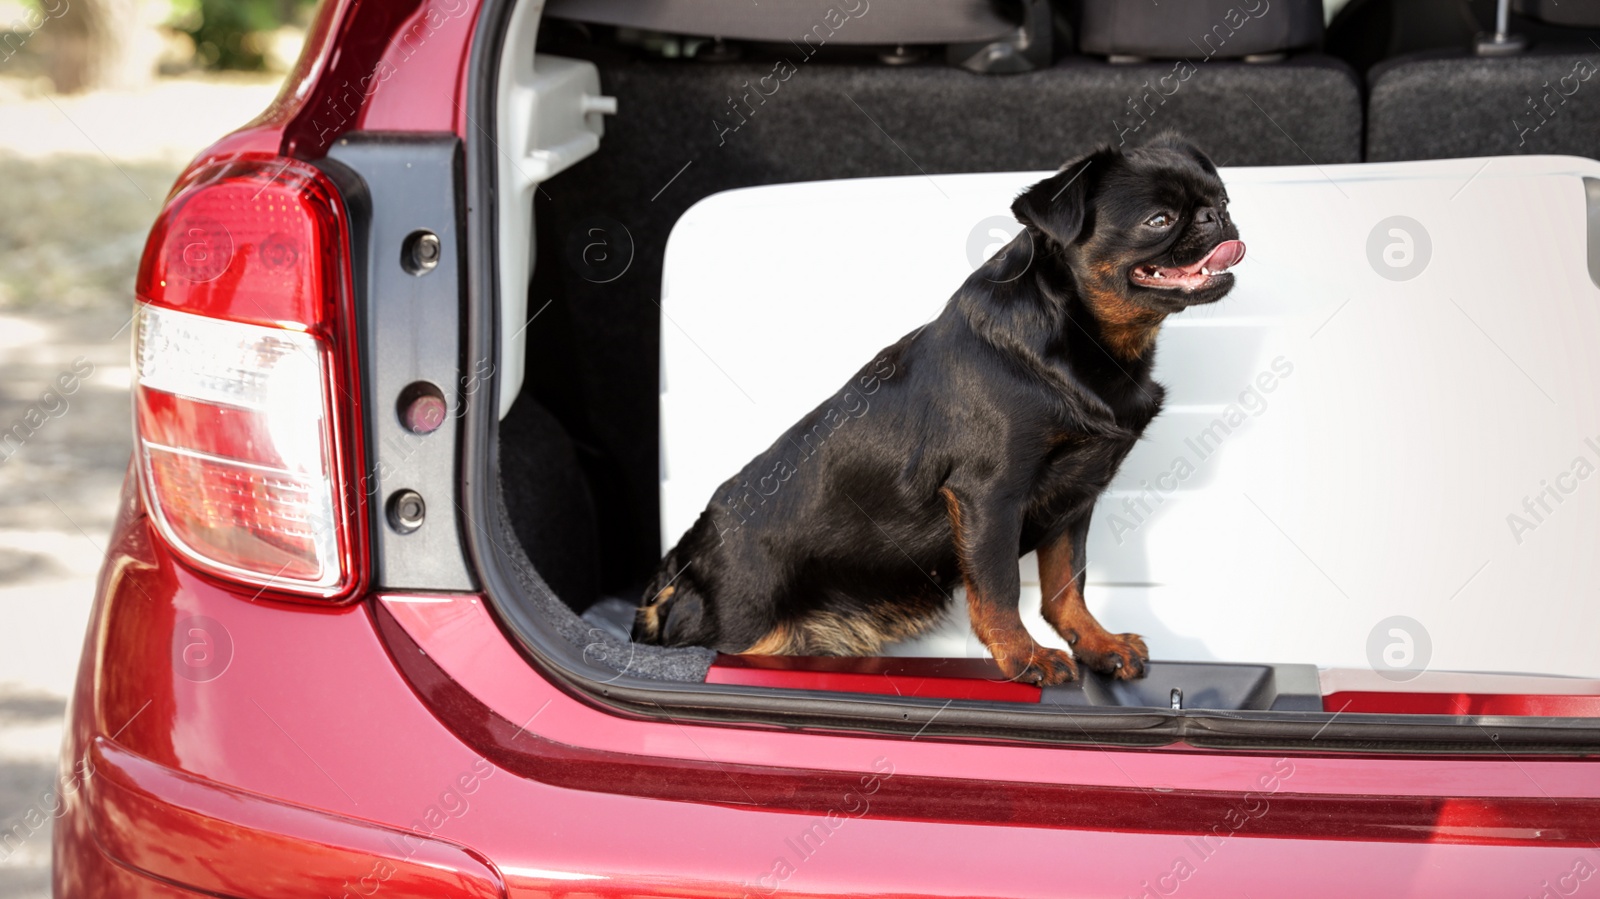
(1209, 216)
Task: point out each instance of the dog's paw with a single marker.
(1122, 656)
(1041, 666)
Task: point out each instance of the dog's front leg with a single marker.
(1061, 572)
(987, 530)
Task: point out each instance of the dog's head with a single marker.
(1146, 231)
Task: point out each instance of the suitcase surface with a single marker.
(1395, 413)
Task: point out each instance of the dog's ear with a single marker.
(1056, 206)
(1172, 140)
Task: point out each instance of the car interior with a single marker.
(625, 325)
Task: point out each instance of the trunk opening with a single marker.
(572, 509)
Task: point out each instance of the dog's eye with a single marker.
(1159, 220)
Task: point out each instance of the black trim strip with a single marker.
(397, 185)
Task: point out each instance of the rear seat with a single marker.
(890, 21)
(1179, 66)
(1546, 100)
(1173, 67)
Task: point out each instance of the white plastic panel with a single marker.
(1407, 421)
(550, 114)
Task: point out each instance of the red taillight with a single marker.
(244, 398)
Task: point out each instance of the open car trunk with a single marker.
(1300, 570)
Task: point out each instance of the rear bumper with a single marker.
(273, 849)
(168, 790)
(405, 744)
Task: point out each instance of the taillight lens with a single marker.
(241, 364)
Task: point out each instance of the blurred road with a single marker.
(84, 178)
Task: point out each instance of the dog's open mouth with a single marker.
(1200, 274)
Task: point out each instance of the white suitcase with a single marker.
(1380, 449)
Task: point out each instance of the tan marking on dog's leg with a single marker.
(649, 617)
(999, 625)
(778, 642)
(860, 633)
(1123, 655)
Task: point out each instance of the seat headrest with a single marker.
(801, 21)
(1577, 13)
(1198, 30)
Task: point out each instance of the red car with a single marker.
(398, 452)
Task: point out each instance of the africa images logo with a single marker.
(1398, 248)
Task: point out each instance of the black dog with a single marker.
(985, 435)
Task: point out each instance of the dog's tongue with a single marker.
(1223, 256)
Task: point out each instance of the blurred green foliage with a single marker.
(229, 34)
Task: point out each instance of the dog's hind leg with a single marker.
(1061, 573)
(986, 540)
(668, 610)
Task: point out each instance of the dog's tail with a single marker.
(670, 611)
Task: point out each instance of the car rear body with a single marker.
(404, 740)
